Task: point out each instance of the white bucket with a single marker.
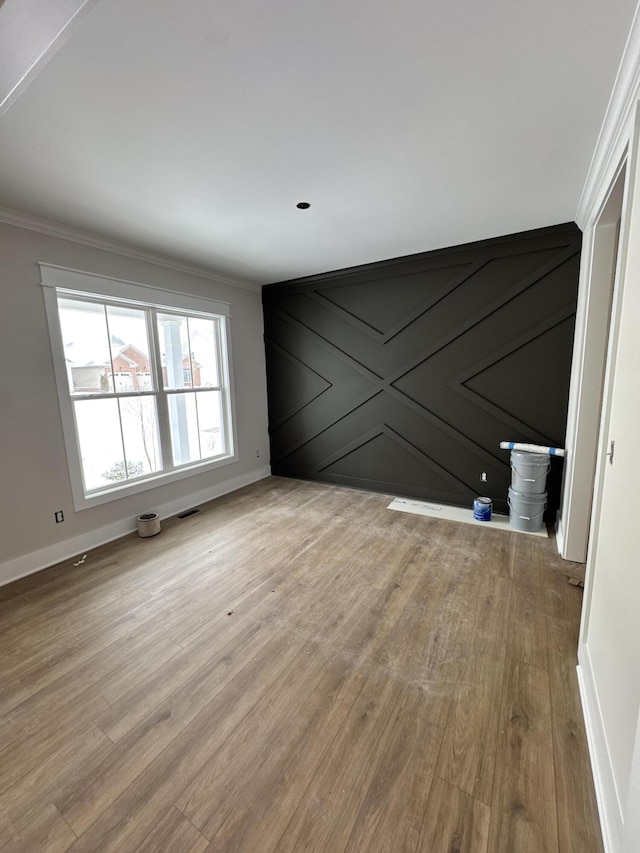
(529, 472)
(148, 524)
(526, 511)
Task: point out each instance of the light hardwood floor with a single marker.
(296, 668)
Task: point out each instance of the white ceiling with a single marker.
(192, 128)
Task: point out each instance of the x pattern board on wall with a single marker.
(404, 376)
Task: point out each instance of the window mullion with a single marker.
(113, 388)
(117, 395)
(193, 375)
(162, 406)
(113, 370)
(198, 434)
(223, 378)
(124, 449)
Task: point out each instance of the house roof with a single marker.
(194, 129)
(86, 354)
(83, 355)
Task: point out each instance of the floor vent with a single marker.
(189, 512)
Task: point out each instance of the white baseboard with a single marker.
(609, 807)
(27, 564)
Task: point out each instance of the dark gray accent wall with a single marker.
(403, 376)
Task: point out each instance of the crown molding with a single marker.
(614, 134)
(76, 235)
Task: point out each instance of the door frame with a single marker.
(601, 258)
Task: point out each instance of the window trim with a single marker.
(55, 280)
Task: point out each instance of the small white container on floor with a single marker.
(148, 524)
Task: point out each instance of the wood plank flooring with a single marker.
(296, 668)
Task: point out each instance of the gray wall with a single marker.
(403, 376)
(35, 480)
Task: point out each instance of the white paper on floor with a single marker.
(456, 513)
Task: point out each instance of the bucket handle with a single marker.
(532, 479)
(526, 517)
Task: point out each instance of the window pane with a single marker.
(100, 442)
(204, 352)
(140, 430)
(174, 344)
(129, 349)
(86, 346)
(184, 428)
(197, 430)
(212, 441)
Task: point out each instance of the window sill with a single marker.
(135, 487)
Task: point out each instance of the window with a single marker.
(143, 383)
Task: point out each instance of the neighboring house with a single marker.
(86, 378)
(130, 371)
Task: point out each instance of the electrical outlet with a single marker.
(483, 476)
(59, 516)
(257, 454)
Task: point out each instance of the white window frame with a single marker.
(68, 282)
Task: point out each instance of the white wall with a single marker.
(34, 480)
(609, 650)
